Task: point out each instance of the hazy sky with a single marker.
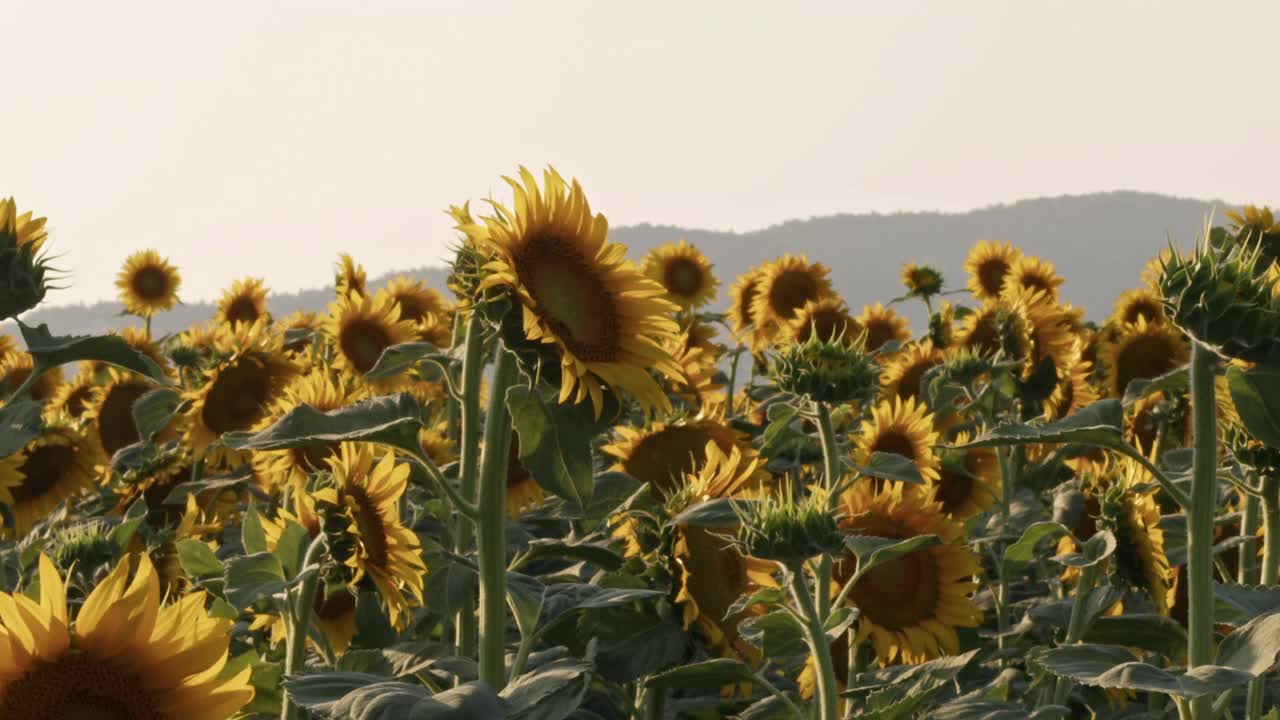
(264, 137)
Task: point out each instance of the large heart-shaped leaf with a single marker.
(49, 351)
(391, 420)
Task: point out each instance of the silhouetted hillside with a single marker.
(1097, 242)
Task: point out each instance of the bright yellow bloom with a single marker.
(148, 283)
(684, 272)
(243, 303)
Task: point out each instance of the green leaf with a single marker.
(1155, 633)
(1253, 647)
(1175, 381)
(399, 359)
(122, 534)
(1017, 555)
(891, 466)
(1108, 666)
(525, 596)
(1095, 550)
(391, 420)
(632, 641)
(551, 692)
(610, 491)
(253, 577)
(874, 551)
(252, 535)
(292, 547)
(198, 560)
(1256, 394)
(778, 634)
(598, 554)
(840, 621)
(717, 513)
(49, 351)
(452, 581)
(320, 692)
(19, 425)
(155, 410)
(770, 707)
(555, 444)
(707, 675)
(398, 701)
(1098, 424)
(1235, 604)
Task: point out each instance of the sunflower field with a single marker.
(564, 487)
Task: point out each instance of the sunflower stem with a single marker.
(300, 615)
(1076, 627)
(830, 460)
(1270, 573)
(1200, 516)
(493, 524)
(655, 703)
(1010, 472)
(1250, 521)
(827, 693)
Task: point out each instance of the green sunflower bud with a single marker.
(1221, 297)
(23, 267)
(84, 545)
(787, 529)
(964, 367)
(835, 371)
(185, 357)
(921, 280)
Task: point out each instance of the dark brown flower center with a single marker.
(571, 297)
(373, 532)
(238, 396)
(116, 428)
(77, 401)
(1143, 357)
(411, 307)
(43, 468)
(242, 309)
(682, 277)
(899, 593)
(151, 283)
(991, 275)
(717, 576)
(790, 291)
(665, 457)
(362, 341)
(77, 687)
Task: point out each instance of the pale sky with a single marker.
(265, 137)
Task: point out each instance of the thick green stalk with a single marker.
(655, 704)
(830, 459)
(1270, 573)
(1250, 521)
(827, 692)
(1076, 628)
(466, 624)
(299, 625)
(493, 524)
(1200, 516)
(1010, 472)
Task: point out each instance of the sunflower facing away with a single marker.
(685, 273)
(987, 264)
(350, 278)
(367, 491)
(243, 303)
(362, 327)
(910, 607)
(578, 293)
(1129, 509)
(125, 658)
(1141, 351)
(148, 284)
(786, 284)
(56, 465)
(901, 427)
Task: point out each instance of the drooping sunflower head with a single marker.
(125, 657)
(882, 325)
(1141, 351)
(921, 280)
(56, 465)
(576, 295)
(18, 366)
(904, 372)
(322, 390)
(349, 279)
(243, 303)
(1030, 273)
(987, 264)
(237, 392)
(362, 327)
(826, 318)
(901, 427)
(366, 494)
(1129, 510)
(785, 285)
(665, 454)
(23, 265)
(148, 284)
(968, 479)
(909, 607)
(1140, 303)
(942, 326)
(742, 317)
(685, 273)
(416, 301)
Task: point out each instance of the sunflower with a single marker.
(579, 296)
(827, 316)
(109, 412)
(200, 338)
(362, 327)
(243, 303)
(902, 427)
(1141, 351)
(742, 314)
(786, 284)
(416, 301)
(1051, 326)
(1262, 228)
(300, 324)
(1028, 272)
(237, 392)
(942, 326)
(523, 491)
(713, 574)
(138, 339)
(1074, 390)
(696, 386)
(664, 454)
(698, 335)
(921, 280)
(1143, 303)
(73, 397)
(969, 480)
(685, 273)
(1129, 509)
(148, 284)
(999, 326)
(987, 264)
(910, 606)
(17, 367)
(56, 465)
(882, 325)
(7, 346)
(904, 371)
(28, 231)
(350, 278)
(126, 657)
(387, 553)
(321, 390)
(437, 446)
